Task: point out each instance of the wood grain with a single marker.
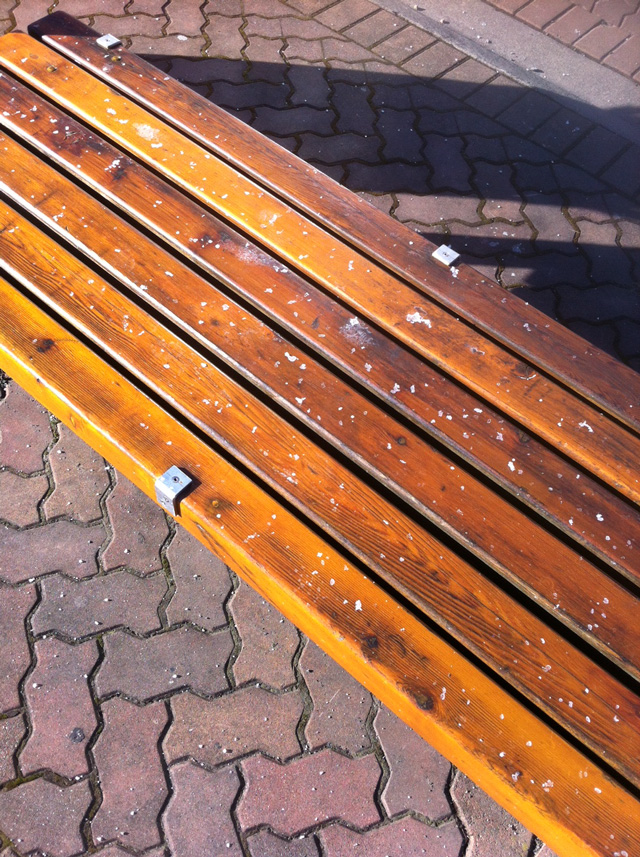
(574, 427)
(546, 783)
(545, 344)
(517, 461)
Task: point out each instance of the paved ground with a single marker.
(149, 702)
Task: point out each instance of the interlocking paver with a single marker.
(202, 583)
(212, 732)
(340, 704)
(132, 780)
(19, 497)
(60, 708)
(15, 657)
(269, 641)
(401, 138)
(417, 773)
(294, 120)
(375, 28)
(139, 529)
(12, 730)
(41, 816)
(491, 830)
(185, 18)
(575, 22)
(404, 838)
(62, 546)
(225, 37)
(402, 45)
(308, 791)
(336, 149)
(80, 479)
(434, 61)
(198, 818)
(345, 13)
(267, 844)
(25, 431)
(495, 184)
(184, 657)
(450, 171)
(79, 609)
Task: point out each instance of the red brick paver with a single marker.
(15, 657)
(403, 838)
(80, 479)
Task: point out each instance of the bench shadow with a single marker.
(531, 193)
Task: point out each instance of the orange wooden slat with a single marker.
(534, 773)
(503, 316)
(568, 498)
(573, 426)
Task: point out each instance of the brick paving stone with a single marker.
(465, 77)
(401, 139)
(599, 41)
(265, 59)
(574, 23)
(346, 13)
(599, 303)
(375, 28)
(166, 46)
(15, 657)
(433, 208)
(402, 45)
(626, 57)
(432, 122)
(540, 13)
(301, 49)
(60, 546)
(434, 61)
(226, 38)
(310, 87)
(202, 583)
(528, 113)
(353, 109)
(418, 774)
(24, 13)
(345, 55)
(202, 71)
(212, 732)
(198, 818)
(267, 844)
(43, 817)
(561, 131)
(130, 25)
(82, 608)
(294, 120)
(339, 148)
(308, 791)
(624, 173)
(19, 497)
(132, 779)
(340, 704)
(184, 657)
(25, 431)
(12, 730)
(538, 178)
(495, 96)
(495, 185)
(139, 529)
(313, 30)
(60, 708)
(598, 241)
(389, 178)
(450, 171)
(185, 18)
(269, 641)
(309, 7)
(80, 479)
(406, 837)
(148, 7)
(491, 830)
(599, 148)
(545, 213)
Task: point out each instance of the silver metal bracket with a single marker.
(170, 487)
(446, 256)
(108, 42)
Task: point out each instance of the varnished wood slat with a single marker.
(505, 317)
(548, 483)
(535, 774)
(549, 571)
(531, 655)
(573, 426)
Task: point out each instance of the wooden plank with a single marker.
(533, 657)
(492, 444)
(535, 774)
(503, 316)
(553, 574)
(573, 426)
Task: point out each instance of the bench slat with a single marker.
(590, 439)
(503, 316)
(509, 639)
(497, 532)
(494, 739)
(563, 495)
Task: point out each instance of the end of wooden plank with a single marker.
(59, 24)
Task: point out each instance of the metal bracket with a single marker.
(170, 486)
(108, 42)
(446, 256)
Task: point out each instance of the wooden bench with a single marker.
(434, 481)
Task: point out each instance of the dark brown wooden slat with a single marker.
(496, 628)
(578, 430)
(567, 497)
(564, 355)
(551, 573)
(501, 745)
